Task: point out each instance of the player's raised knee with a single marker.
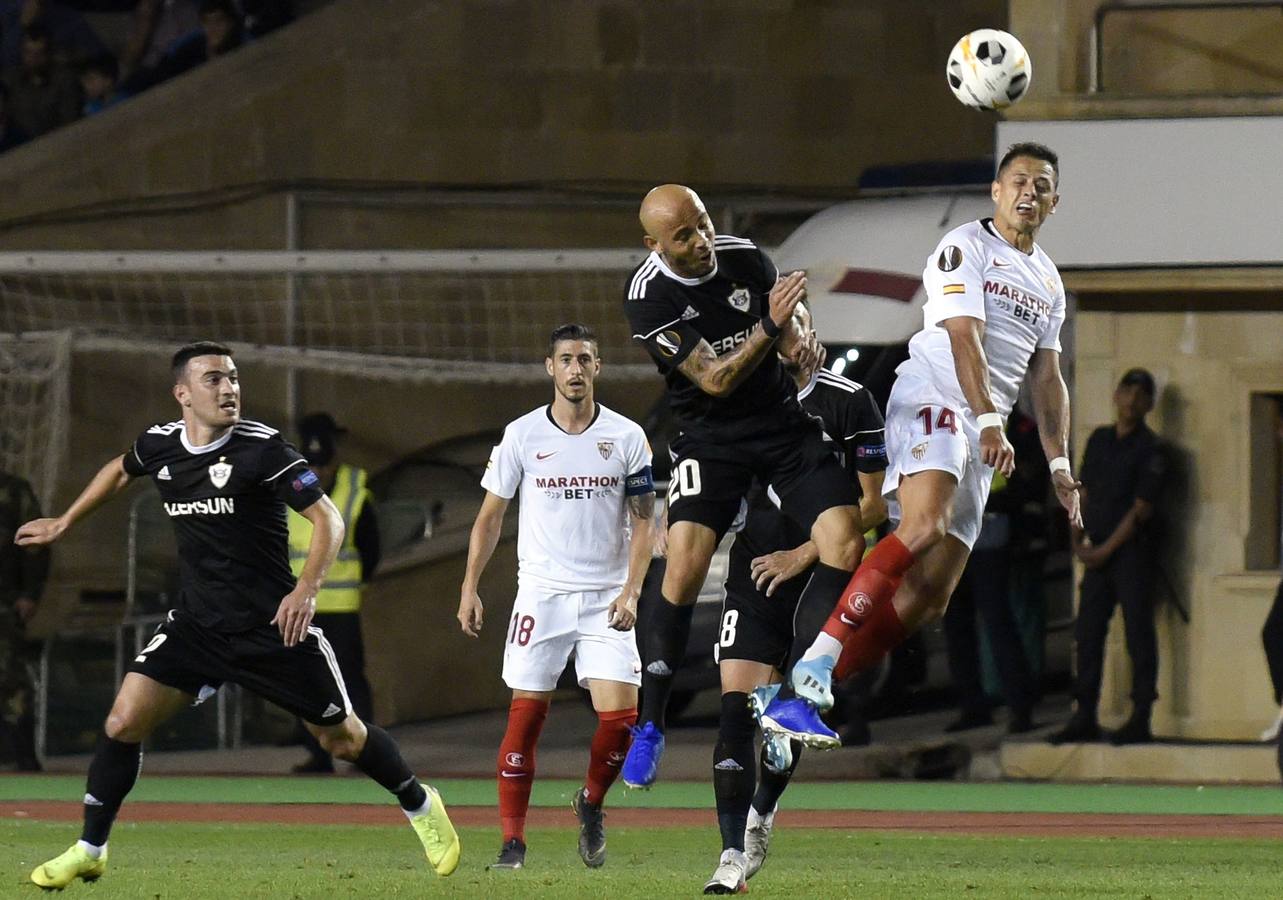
(123, 724)
(344, 740)
(683, 579)
(837, 535)
(922, 532)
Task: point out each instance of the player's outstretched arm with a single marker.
(659, 534)
(800, 343)
(1051, 407)
(622, 613)
(773, 569)
(873, 506)
(481, 544)
(109, 481)
(719, 376)
(972, 366)
(297, 608)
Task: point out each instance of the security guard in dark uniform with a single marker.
(22, 580)
(338, 603)
(1123, 473)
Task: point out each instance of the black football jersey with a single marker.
(227, 503)
(669, 315)
(853, 423)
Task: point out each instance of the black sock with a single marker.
(667, 633)
(821, 594)
(112, 775)
(734, 769)
(815, 606)
(772, 784)
(381, 760)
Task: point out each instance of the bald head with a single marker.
(664, 204)
(678, 228)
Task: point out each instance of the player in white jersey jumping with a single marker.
(583, 547)
(995, 305)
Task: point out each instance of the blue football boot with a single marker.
(641, 765)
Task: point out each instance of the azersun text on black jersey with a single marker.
(853, 423)
(669, 314)
(227, 502)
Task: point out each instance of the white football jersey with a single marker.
(573, 529)
(1020, 298)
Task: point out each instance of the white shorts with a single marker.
(924, 433)
(545, 629)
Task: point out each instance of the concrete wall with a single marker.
(1170, 63)
(767, 93)
(1213, 683)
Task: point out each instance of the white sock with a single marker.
(422, 810)
(94, 852)
(824, 645)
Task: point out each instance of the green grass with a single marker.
(878, 795)
(207, 861)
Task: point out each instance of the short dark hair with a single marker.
(1033, 149)
(188, 352)
(571, 331)
(1141, 377)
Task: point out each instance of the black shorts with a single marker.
(756, 627)
(303, 679)
(710, 480)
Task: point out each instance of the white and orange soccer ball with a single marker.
(989, 69)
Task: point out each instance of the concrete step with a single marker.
(1161, 761)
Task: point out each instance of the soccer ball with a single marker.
(989, 69)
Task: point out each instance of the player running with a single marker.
(241, 616)
(995, 306)
(715, 315)
(583, 545)
(770, 562)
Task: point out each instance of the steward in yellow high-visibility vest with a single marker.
(338, 603)
(341, 592)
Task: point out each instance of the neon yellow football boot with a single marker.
(440, 840)
(74, 863)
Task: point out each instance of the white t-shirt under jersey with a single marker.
(1020, 298)
(573, 530)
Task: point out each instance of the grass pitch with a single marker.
(205, 860)
(155, 860)
(928, 796)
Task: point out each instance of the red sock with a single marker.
(609, 747)
(881, 632)
(517, 764)
(873, 584)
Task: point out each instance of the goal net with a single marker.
(425, 316)
(34, 404)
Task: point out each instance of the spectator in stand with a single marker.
(265, 16)
(98, 83)
(986, 589)
(43, 95)
(72, 38)
(220, 32)
(10, 135)
(158, 25)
